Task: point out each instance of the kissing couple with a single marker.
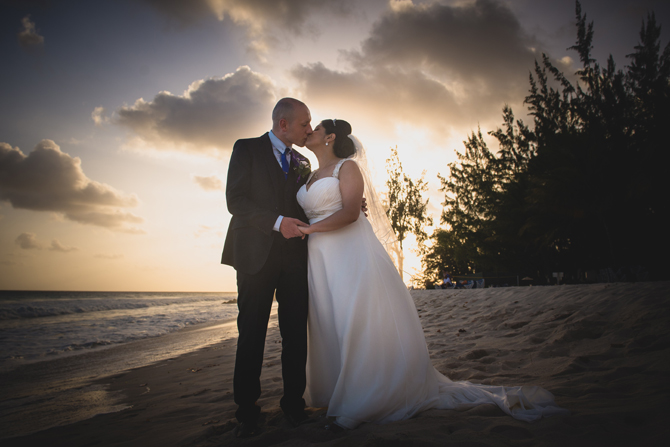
(352, 340)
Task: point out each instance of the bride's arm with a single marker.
(351, 188)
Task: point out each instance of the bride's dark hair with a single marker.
(343, 146)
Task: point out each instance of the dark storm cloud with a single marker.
(28, 36)
(477, 43)
(212, 113)
(49, 180)
(432, 64)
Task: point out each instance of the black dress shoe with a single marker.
(296, 418)
(246, 430)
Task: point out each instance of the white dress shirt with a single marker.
(278, 147)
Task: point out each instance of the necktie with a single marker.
(284, 161)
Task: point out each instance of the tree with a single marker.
(602, 163)
(406, 209)
(484, 203)
(585, 187)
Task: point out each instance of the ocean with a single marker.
(54, 345)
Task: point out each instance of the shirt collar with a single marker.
(277, 143)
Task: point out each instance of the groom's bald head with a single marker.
(285, 109)
(291, 121)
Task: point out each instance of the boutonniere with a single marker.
(301, 166)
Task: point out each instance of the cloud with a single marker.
(263, 20)
(430, 64)
(478, 44)
(386, 95)
(98, 116)
(28, 241)
(49, 180)
(57, 246)
(28, 36)
(209, 183)
(209, 116)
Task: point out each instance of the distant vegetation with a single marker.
(405, 207)
(585, 187)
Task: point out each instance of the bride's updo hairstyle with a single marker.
(343, 146)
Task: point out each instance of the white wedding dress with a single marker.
(367, 357)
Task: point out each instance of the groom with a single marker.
(268, 252)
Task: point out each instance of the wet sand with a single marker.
(603, 350)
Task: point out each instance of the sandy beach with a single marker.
(603, 350)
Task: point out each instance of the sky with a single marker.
(117, 118)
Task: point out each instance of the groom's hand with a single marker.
(289, 227)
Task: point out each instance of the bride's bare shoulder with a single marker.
(349, 165)
(349, 170)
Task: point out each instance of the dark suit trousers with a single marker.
(286, 272)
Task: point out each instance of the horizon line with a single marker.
(118, 291)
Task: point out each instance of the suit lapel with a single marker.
(274, 170)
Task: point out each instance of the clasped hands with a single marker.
(291, 227)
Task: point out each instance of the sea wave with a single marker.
(21, 310)
(49, 325)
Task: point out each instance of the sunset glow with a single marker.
(118, 118)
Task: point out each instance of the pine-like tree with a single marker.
(585, 188)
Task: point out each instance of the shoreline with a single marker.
(100, 350)
(73, 387)
(602, 350)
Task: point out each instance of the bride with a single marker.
(367, 356)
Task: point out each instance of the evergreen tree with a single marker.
(585, 187)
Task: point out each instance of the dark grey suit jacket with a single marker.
(257, 193)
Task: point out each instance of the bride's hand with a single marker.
(305, 230)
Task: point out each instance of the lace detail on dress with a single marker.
(316, 215)
(336, 171)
